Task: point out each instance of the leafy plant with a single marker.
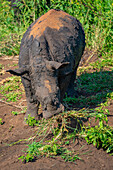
(54, 135)
(48, 150)
(100, 135)
(31, 121)
(1, 121)
(58, 128)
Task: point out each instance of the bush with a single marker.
(95, 16)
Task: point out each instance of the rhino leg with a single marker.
(32, 109)
(70, 90)
(63, 85)
(32, 103)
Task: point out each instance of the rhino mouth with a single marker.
(51, 112)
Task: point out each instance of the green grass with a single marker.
(95, 16)
(15, 113)
(105, 61)
(12, 89)
(94, 88)
(52, 141)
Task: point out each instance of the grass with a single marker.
(12, 89)
(95, 16)
(104, 62)
(54, 136)
(15, 113)
(94, 88)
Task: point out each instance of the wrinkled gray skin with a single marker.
(48, 65)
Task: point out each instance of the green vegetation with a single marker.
(31, 121)
(12, 89)
(54, 135)
(35, 149)
(1, 121)
(101, 135)
(94, 82)
(51, 139)
(93, 88)
(15, 113)
(10, 129)
(95, 16)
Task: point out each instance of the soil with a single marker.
(14, 129)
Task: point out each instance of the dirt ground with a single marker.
(13, 130)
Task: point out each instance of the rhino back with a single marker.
(60, 36)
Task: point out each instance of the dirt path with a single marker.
(13, 130)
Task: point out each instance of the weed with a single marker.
(10, 129)
(11, 65)
(100, 135)
(31, 121)
(15, 113)
(22, 111)
(58, 128)
(1, 121)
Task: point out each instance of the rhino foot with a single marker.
(48, 114)
(32, 110)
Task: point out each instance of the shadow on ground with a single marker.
(92, 89)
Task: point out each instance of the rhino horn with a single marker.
(19, 72)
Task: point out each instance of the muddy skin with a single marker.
(50, 53)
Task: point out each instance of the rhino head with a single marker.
(45, 79)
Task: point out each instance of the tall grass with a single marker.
(95, 16)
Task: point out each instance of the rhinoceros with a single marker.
(49, 56)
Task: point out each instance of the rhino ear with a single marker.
(19, 72)
(56, 65)
(61, 65)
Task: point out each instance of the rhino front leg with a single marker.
(32, 109)
(32, 103)
(70, 90)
